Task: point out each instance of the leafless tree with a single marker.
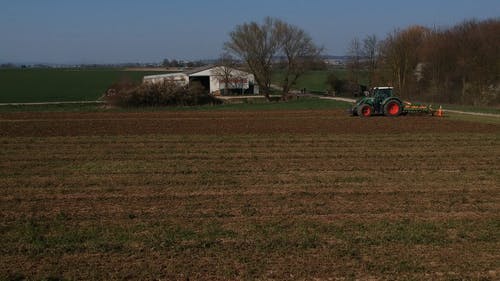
(354, 65)
(256, 44)
(260, 44)
(401, 54)
(298, 51)
(370, 52)
(458, 64)
(226, 72)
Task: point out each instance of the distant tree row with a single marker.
(460, 64)
(179, 63)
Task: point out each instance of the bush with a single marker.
(167, 93)
(344, 86)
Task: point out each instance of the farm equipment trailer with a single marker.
(382, 101)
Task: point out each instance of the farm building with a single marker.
(216, 79)
(179, 78)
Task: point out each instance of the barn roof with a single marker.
(208, 67)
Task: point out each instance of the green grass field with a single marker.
(316, 81)
(49, 85)
(52, 85)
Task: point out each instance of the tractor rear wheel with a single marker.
(365, 110)
(393, 108)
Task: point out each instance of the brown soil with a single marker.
(262, 122)
(273, 195)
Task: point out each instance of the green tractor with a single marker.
(381, 101)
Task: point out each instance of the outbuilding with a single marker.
(215, 79)
(179, 78)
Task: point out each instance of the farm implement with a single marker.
(382, 101)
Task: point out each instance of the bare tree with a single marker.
(257, 45)
(354, 66)
(298, 50)
(370, 52)
(401, 54)
(458, 64)
(225, 71)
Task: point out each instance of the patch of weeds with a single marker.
(212, 233)
(32, 234)
(56, 237)
(475, 231)
(307, 237)
(181, 237)
(395, 264)
(489, 231)
(348, 250)
(409, 265)
(16, 276)
(205, 177)
(53, 278)
(248, 210)
(62, 217)
(172, 235)
(352, 179)
(221, 212)
(406, 232)
(285, 236)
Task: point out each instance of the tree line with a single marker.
(459, 64)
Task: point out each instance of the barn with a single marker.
(215, 79)
(179, 78)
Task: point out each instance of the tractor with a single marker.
(382, 101)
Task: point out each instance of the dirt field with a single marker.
(269, 195)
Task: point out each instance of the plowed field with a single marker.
(269, 195)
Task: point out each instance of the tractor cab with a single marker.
(379, 95)
(382, 91)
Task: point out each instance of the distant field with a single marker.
(46, 85)
(316, 81)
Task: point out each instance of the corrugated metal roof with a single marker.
(163, 75)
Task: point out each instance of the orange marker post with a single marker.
(439, 112)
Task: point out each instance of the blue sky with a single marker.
(112, 31)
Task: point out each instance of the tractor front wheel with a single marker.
(393, 108)
(365, 110)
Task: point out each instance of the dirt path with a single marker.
(339, 99)
(473, 113)
(51, 103)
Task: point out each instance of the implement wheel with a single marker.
(393, 108)
(365, 110)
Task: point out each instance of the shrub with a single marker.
(166, 93)
(344, 86)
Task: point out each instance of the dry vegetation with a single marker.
(457, 64)
(286, 195)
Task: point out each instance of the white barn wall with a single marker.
(215, 84)
(179, 78)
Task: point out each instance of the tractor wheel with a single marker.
(354, 112)
(365, 110)
(393, 108)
